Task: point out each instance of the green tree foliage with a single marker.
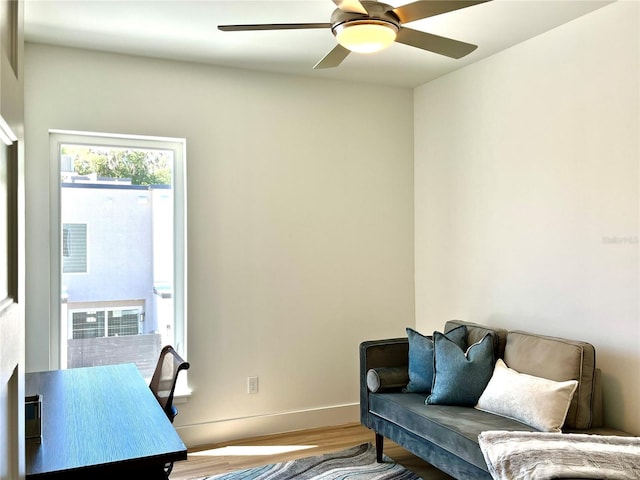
(143, 167)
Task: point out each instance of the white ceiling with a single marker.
(187, 30)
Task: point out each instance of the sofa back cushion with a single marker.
(557, 359)
(476, 332)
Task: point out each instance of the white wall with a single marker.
(527, 197)
(300, 225)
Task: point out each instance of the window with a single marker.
(87, 324)
(119, 248)
(74, 248)
(105, 322)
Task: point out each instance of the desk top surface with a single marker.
(98, 416)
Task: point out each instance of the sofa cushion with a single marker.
(557, 359)
(421, 357)
(453, 428)
(460, 375)
(476, 332)
(536, 401)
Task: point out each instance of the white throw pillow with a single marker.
(538, 402)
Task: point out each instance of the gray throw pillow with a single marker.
(460, 376)
(421, 357)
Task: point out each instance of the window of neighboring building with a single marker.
(105, 322)
(74, 248)
(87, 324)
(128, 192)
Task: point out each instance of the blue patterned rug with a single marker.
(354, 463)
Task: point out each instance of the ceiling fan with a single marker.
(367, 26)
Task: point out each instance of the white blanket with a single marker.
(542, 456)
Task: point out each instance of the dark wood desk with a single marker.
(99, 420)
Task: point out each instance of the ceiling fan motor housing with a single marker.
(378, 13)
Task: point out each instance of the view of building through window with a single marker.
(117, 255)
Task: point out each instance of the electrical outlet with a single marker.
(252, 384)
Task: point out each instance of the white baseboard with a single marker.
(237, 428)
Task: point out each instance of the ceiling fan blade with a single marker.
(272, 26)
(434, 43)
(333, 58)
(423, 9)
(351, 6)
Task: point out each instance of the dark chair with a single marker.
(163, 382)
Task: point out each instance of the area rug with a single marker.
(353, 463)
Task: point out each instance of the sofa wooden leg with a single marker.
(379, 447)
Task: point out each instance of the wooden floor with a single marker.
(214, 459)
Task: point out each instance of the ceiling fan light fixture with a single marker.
(365, 36)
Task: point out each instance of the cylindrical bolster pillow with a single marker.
(387, 378)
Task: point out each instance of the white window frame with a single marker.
(58, 327)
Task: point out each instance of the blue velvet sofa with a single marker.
(446, 436)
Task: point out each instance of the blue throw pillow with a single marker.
(460, 377)
(421, 357)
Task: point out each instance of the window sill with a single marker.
(182, 395)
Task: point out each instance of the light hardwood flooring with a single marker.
(205, 460)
